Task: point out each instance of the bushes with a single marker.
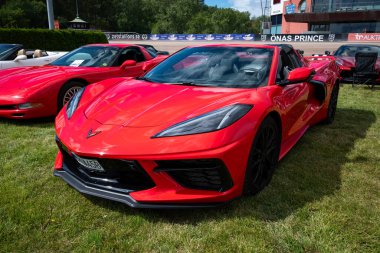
(53, 40)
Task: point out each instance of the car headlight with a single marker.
(208, 122)
(73, 103)
(29, 106)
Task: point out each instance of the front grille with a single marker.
(119, 175)
(202, 174)
(8, 107)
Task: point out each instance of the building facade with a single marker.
(325, 16)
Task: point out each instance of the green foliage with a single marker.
(143, 16)
(19, 13)
(62, 40)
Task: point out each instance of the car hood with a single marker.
(29, 77)
(346, 61)
(142, 104)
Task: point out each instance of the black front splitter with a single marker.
(122, 197)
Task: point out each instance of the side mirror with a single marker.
(128, 63)
(20, 58)
(299, 75)
(327, 52)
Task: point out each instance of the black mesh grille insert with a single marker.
(203, 174)
(118, 175)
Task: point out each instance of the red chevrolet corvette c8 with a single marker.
(203, 127)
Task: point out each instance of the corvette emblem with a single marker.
(92, 134)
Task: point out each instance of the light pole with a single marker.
(49, 5)
(76, 1)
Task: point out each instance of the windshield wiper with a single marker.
(189, 84)
(144, 79)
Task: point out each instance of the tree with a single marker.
(20, 14)
(142, 16)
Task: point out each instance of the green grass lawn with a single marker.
(325, 197)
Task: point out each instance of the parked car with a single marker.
(201, 128)
(153, 49)
(31, 92)
(345, 58)
(14, 55)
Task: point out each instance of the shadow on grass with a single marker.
(310, 172)
(28, 122)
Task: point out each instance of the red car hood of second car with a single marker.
(142, 104)
(30, 77)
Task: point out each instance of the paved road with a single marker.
(309, 47)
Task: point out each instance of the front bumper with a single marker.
(119, 197)
(12, 112)
(168, 189)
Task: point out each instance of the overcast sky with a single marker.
(252, 6)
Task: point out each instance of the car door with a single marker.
(293, 97)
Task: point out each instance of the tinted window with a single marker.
(5, 49)
(295, 60)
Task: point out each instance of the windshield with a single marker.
(350, 51)
(5, 48)
(151, 51)
(234, 67)
(89, 56)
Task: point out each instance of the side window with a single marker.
(284, 67)
(295, 60)
(130, 53)
(12, 56)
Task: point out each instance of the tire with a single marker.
(331, 110)
(67, 92)
(263, 157)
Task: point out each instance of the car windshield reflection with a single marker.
(233, 67)
(90, 56)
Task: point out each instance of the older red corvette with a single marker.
(203, 127)
(31, 92)
(345, 58)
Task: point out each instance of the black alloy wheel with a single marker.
(263, 158)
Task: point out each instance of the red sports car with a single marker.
(203, 127)
(31, 92)
(345, 58)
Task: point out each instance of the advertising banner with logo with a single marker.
(209, 37)
(290, 9)
(280, 38)
(286, 38)
(126, 36)
(277, 7)
(374, 37)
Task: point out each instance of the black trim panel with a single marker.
(123, 198)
